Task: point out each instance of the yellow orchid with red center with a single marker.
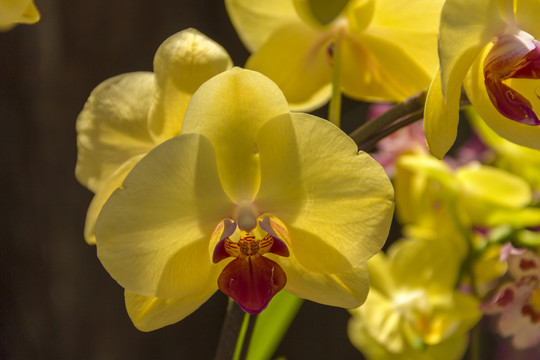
(128, 115)
(386, 49)
(491, 47)
(250, 199)
(14, 12)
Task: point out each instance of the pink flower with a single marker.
(518, 301)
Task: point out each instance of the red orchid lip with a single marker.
(250, 279)
(512, 56)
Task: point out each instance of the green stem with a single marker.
(334, 109)
(241, 338)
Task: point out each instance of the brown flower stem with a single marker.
(366, 132)
(232, 331)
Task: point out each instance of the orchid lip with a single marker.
(251, 279)
(512, 56)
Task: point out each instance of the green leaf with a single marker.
(272, 324)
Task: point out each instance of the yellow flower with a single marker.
(387, 47)
(413, 310)
(478, 195)
(250, 198)
(128, 115)
(14, 12)
(490, 47)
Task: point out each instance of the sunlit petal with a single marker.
(296, 58)
(335, 224)
(17, 11)
(255, 20)
(514, 131)
(441, 117)
(181, 64)
(153, 234)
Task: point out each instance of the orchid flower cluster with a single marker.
(213, 177)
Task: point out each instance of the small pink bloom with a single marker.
(518, 301)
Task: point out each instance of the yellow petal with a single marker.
(17, 11)
(514, 131)
(493, 186)
(182, 63)
(295, 58)
(337, 203)
(108, 186)
(526, 16)
(153, 234)
(151, 313)
(346, 290)
(229, 110)
(424, 264)
(375, 69)
(256, 20)
(441, 117)
(466, 27)
(396, 55)
(112, 127)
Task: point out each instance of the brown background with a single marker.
(57, 301)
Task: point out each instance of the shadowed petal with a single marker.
(153, 234)
(102, 195)
(112, 127)
(242, 101)
(151, 313)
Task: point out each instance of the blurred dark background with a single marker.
(57, 302)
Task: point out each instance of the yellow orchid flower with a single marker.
(14, 12)
(387, 49)
(413, 310)
(491, 47)
(480, 195)
(250, 199)
(128, 115)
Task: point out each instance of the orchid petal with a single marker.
(516, 132)
(102, 195)
(347, 290)
(242, 101)
(478, 187)
(466, 27)
(112, 127)
(296, 58)
(255, 20)
(441, 117)
(396, 30)
(151, 313)
(526, 16)
(182, 63)
(153, 234)
(17, 11)
(370, 70)
(311, 173)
